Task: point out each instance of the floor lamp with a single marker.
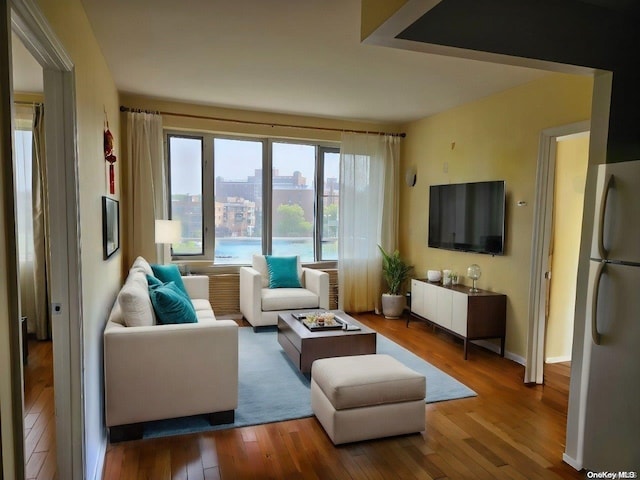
(168, 232)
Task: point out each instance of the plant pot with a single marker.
(393, 305)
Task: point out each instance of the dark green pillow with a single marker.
(283, 272)
(168, 273)
(171, 304)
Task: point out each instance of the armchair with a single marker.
(260, 304)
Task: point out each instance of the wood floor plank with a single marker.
(509, 431)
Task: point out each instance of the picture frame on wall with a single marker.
(110, 226)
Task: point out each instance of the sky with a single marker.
(238, 159)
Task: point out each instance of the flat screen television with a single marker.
(468, 217)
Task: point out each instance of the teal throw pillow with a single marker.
(283, 272)
(171, 304)
(168, 273)
(153, 281)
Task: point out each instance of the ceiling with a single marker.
(283, 56)
(27, 73)
(296, 57)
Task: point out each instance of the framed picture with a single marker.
(110, 226)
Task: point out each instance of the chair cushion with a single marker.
(135, 304)
(171, 304)
(259, 263)
(169, 273)
(288, 299)
(364, 380)
(283, 272)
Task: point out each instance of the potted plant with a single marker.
(395, 272)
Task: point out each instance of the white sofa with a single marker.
(154, 372)
(260, 304)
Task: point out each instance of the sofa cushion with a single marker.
(283, 272)
(171, 304)
(169, 273)
(200, 304)
(142, 265)
(288, 299)
(259, 263)
(135, 304)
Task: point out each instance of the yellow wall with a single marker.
(495, 138)
(95, 92)
(571, 174)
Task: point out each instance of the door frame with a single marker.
(31, 26)
(542, 231)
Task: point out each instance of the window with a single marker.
(238, 199)
(24, 193)
(264, 196)
(185, 170)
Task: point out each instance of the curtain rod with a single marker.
(250, 122)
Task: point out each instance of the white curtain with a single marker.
(32, 215)
(368, 214)
(145, 184)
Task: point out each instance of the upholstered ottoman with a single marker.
(362, 397)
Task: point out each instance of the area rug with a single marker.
(271, 389)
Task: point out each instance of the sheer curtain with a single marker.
(32, 213)
(368, 213)
(145, 188)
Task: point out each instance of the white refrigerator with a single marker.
(612, 421)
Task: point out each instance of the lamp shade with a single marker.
(168, 231)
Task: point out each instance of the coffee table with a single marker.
(303, 346)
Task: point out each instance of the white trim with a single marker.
(572, 462)
(564, 358)
(102, 453)
(62, 160)
(496, 349)
(543, 215)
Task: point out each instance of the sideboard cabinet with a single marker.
(455, 309)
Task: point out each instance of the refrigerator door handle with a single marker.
(595, 335)
(602, 252)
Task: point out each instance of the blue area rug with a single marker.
(271, 389)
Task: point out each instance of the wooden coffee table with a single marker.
(303, 346)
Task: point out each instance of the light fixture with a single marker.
(168, 232)
(474, 272)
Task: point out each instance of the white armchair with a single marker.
(260, 304)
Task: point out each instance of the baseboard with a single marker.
(573, 463)
(98, 470)
(566, 358)
(496, 348)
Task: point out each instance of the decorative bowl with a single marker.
(434, 275)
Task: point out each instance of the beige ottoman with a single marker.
(362, 397)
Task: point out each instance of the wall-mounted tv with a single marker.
(468, 217)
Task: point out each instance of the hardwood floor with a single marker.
(509, 431)
(39, 418)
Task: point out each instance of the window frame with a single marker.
(208, 190)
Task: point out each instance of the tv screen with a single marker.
(468, 217)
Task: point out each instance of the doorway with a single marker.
(28, 24)
(32, 237)
(561, 180)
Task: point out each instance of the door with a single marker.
(612, 425)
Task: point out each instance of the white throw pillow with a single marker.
(142, 265)
(259, 263)
(135, 303)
